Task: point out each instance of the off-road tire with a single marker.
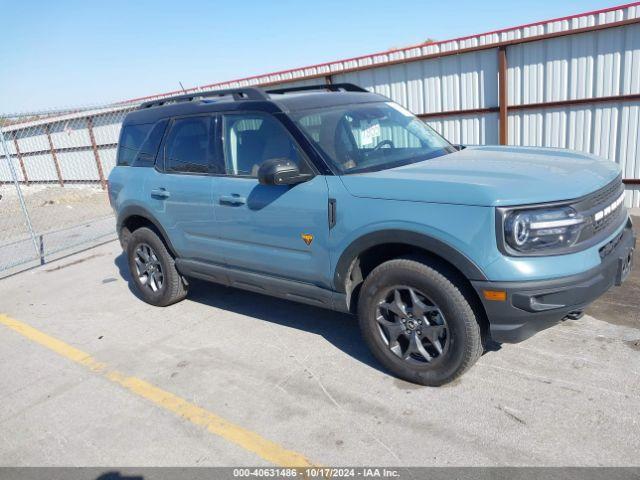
(173, 287)
(465, 339)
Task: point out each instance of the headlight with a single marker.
(541, 230)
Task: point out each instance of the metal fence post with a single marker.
(53, 155)
(25, 177)
(503, 96)
(96, 155)
(16, 182)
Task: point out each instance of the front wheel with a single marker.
(417, 323)
(153, 269)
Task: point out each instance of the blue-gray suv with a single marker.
(340, 198)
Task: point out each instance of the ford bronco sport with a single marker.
(340, 198)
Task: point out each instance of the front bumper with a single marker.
(533, 306)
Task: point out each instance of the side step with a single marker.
(265, 284)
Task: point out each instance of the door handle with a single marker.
(160, 193)
(233, 199)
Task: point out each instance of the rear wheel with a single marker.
(153, 269)
(417, 323)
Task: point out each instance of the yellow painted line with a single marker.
(168, 401)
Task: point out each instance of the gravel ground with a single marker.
(77, 215)
(50, 208)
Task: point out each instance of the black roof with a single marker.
(252, 99)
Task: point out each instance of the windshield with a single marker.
(371, 136)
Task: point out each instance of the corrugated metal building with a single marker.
(571, 82)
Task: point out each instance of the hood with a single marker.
(489, 176)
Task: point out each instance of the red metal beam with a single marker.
(577, 101)
(503, 119)
(477, 48)
(53, 154)
(20, 159)
(95, 153)
(448, 113)
(534, 106)
(67, 150)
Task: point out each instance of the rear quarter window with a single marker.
(139, 144)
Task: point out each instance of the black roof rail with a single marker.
(333, 87)
(244, 93)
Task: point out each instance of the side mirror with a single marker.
(281, 171)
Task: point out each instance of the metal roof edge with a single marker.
(402, 51)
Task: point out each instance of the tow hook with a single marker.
(575, 315)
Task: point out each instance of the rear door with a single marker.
(275, 230)
(181, 189)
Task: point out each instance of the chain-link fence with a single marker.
(54, 167)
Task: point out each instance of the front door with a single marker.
(182, 193)
(276, 230)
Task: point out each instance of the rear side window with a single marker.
(147, 154)
(139, 144)
(188, 146)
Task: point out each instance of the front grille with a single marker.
(592, 206)
(600, 197)
(599, 225)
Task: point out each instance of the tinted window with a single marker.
(251, 139)
(147, 153)
(131, 139)
(188, 146)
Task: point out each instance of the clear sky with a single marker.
(57, 53)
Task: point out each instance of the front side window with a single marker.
(371, 136)
(188, 147)
(251, 139)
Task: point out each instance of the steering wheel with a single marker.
(382, 144)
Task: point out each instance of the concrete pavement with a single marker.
(296, 376)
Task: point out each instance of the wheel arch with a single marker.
(427, 243)
(372, 249)
(134, 217)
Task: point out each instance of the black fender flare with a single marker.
(425, 242)
(138, 211)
